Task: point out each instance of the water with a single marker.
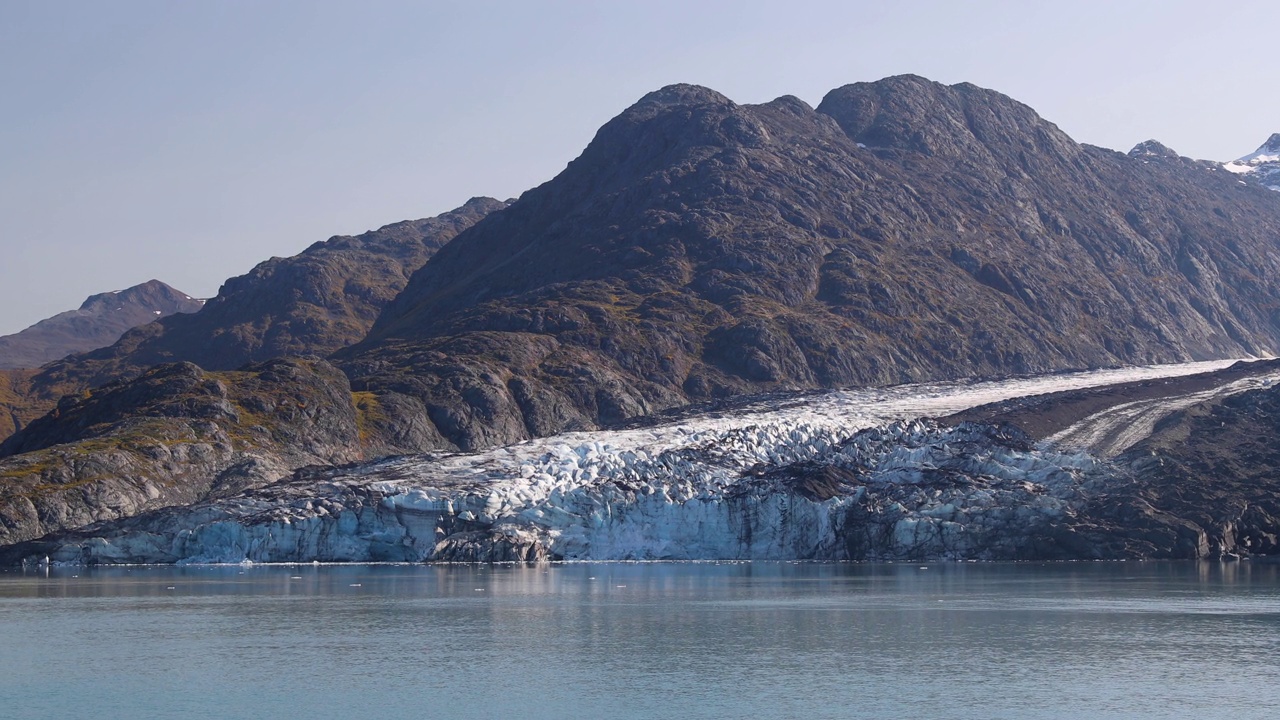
(694, 640)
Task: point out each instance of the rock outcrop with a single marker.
(1216, 465)
(98, 322)
(174, 436)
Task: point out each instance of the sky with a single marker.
(188, 141)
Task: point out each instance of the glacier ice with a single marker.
(847, 475)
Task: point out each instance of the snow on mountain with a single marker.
(1262, 165)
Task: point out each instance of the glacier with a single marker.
(842, 475)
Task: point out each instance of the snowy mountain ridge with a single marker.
(1262, 165)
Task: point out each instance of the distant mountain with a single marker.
(98, 322)
(1261, 165)
(311, 304)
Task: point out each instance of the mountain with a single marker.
(1262, 165)
(700, 251)
(312, 304)
(98, 322)
(903, 230)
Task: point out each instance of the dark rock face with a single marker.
(98, 322)
(1204, 483)
(14, 386)
(174, 436)
(903, 230)
(1152, 149)
(1216, 465)
(311, 304)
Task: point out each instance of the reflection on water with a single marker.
(690, 640)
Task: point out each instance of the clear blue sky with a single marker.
(187, 141)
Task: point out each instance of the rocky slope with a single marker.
(176, 435)
(313, 303)
(903, 230)
(14, 388)
(98, 322)
(1262, 165)
(838, 476)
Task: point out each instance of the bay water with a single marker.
(643, 640)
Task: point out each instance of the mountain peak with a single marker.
(682, 94)
(482, 204)
(1268, 152)
(1152, 148)
(151, 292)
(963, 121)
(1262, 165)
(99, 321)
(699, 249)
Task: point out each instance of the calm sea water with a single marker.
(754, 640)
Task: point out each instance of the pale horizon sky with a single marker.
(189, 141)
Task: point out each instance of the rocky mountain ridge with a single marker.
(311, 304)
(99, 321)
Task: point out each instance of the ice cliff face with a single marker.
(908, 490)
(1262, 165)
(839, 476)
